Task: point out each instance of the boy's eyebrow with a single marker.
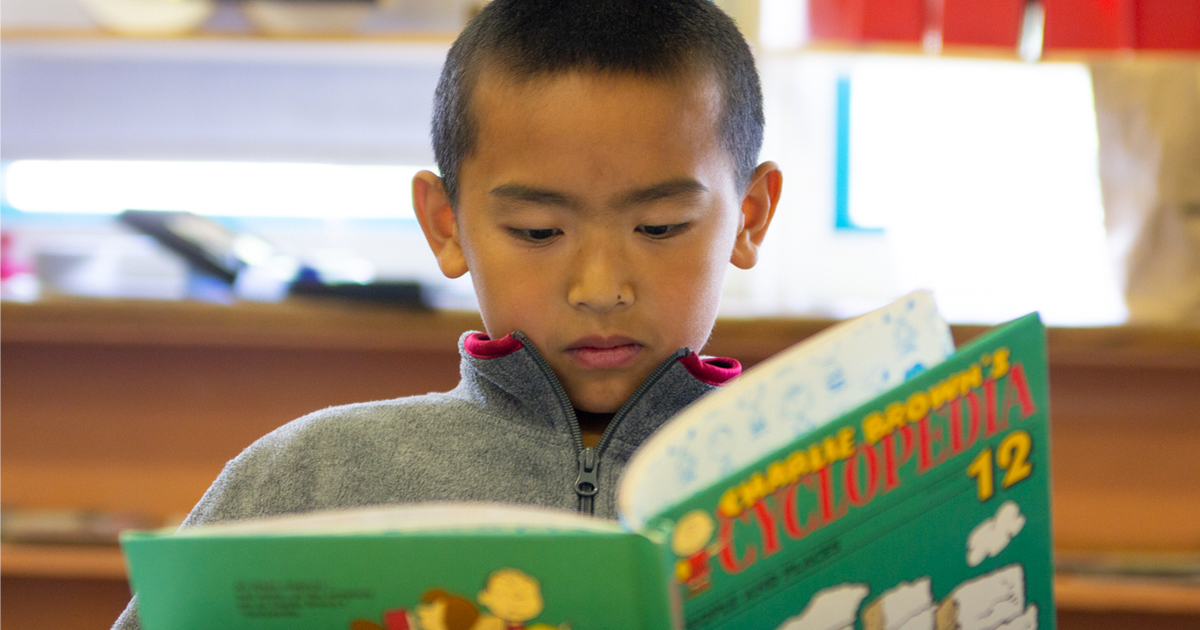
(529, 194)
(542, 196)
(670, 188)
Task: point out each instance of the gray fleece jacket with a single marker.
(507, 433)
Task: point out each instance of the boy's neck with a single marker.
(592, 425)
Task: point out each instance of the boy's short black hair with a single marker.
(654, 38)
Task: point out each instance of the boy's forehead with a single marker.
(595, 121)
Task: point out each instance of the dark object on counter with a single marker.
(215, 250)
(207, 245)
(62, 527)
(406, 294)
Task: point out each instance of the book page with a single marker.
(782, 398)
(433, 517)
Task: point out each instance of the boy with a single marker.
(598, 163)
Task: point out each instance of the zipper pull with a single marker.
(588, 480)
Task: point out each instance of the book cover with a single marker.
(430, 567)
(926, 508)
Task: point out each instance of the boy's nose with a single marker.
(598, 283)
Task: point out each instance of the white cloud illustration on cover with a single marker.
(991, 536)
(993, 601)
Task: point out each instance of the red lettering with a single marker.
(861, 497)
(791, 513)
(1016, 391)
(927, 438)
(994, 424)
(955, 428)
(892, 462)
(830, 511)
(728, 556)
(971, 399)
(766, 525)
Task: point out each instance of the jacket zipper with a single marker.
(587, 479)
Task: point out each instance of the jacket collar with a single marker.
(508, 376)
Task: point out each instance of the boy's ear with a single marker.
(437, 220)
(758, 208)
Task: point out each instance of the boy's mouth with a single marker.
(604, 352)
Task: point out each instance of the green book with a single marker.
(923, 503)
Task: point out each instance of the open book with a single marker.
(870, 477)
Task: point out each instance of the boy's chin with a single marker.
(604, 390)
(597, 405)
(607, 399)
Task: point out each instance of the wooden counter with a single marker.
(136, 405)
(335, 325)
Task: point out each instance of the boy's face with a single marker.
(597, 215)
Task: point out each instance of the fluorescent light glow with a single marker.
(783, 23)
(984, 175)
(244, 189)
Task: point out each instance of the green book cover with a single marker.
(925, 508)
(456, 567)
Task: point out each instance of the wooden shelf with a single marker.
(61, 561)
(1092, 593)
(328, 325)
(295, 324)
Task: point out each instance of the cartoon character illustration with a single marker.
(991, 536)
(513, 597)
(993, 601)
(441, 610)
(394, 619)
(907, 606)
(795, 406)
(916, 369)
(750, 403)
(905, 336)
(685, 460)
(721, 447)
(689, 541)
(877, 378)
(833, 608)
(835, 375)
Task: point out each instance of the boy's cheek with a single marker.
(512, 301)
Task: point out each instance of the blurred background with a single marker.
(1011, 155)
(909, 136)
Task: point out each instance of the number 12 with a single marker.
(1012, 455)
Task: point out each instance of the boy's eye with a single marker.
(661, 231)
(536, 235)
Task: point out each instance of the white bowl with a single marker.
(306, 17)
(149, 17)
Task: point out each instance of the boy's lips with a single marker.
(604, 352)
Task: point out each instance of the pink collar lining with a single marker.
(480, 346)
(712, 370)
